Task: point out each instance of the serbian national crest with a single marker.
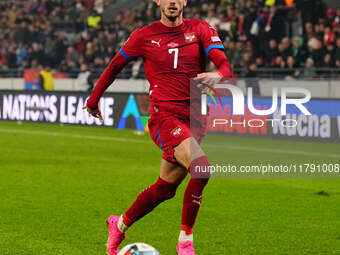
(190, 37)
(176, 132)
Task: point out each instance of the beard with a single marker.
(172, 16)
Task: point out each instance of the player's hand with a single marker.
(215, 75)
(208, 78)
(95, 112)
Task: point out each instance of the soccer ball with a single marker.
(138, 249)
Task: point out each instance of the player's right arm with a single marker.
(129, 51)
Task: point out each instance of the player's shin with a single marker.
(193, 196)
(146, 201)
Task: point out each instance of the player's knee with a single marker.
(200, 168)
(165, 190)
(187, 150)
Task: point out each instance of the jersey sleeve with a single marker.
(132, 47)
(209, 38)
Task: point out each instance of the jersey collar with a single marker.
(171, 29)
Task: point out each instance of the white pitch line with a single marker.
(92, 137)
(117, 139)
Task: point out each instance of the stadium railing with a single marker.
(266, 73)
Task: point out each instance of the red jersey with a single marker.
(172, 55)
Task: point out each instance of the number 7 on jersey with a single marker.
(175, 56)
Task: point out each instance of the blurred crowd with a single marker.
(296, 38)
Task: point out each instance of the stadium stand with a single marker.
(262, 38)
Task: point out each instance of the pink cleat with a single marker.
(185, 248)
(115, 235)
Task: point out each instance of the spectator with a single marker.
(337, 64)
(328, 36)
(35, 65)
(22, 34)
(307, 8)
(4, 71)
(84, 81)
(337, 52)
(309, 70)
(46, 79)
(327, 64)
(337, 30)
(250, 17)
(12, 16)
(21, 54)
(72, 54)
(336, 21)
(98, 63)
(70, 66)
(330, 17)
(279, 63)
(94, 19)
(239, 54)
(136, 68)
(259, 62)
(285, 48)
(60, 49)
(240, 30)
(291, 66)
(223, 27)
(275, 26)
(308, 32)
(271, 52)
(319, 31)
(247, 58)
(11, 58)
(38, 53)
(330, 49)
(252, 80)
(327, 61)
(299, 51)
(211, 19)
(316, 50)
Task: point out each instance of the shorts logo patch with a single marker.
(176, 132)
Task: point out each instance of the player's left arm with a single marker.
(222, 64)
(214, 49)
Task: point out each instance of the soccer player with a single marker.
(174, 51)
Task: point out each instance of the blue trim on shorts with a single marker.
(214, 46)
(124, 55)
(160, 141)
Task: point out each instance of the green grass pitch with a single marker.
(58, 184)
